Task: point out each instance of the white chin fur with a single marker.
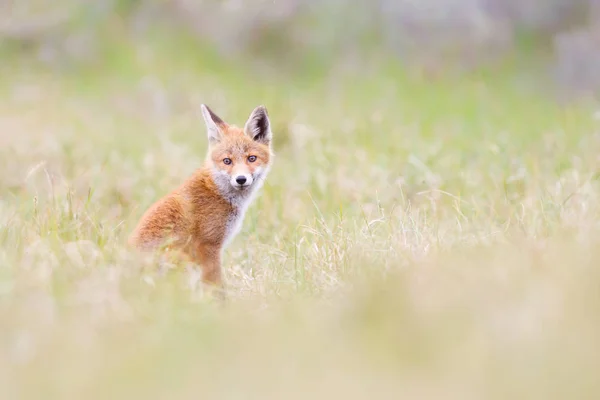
(231, 190)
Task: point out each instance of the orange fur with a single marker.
(205, 212)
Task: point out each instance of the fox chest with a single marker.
(233, 226)
(220, 229)
(219, 223)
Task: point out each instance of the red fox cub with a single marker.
(201, 216)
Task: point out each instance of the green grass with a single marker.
(417, 237)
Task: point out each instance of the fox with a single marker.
(199, 219)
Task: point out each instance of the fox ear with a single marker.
(258, 126)
(214, 124)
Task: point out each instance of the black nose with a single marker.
(241, 180)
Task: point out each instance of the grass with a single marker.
(417, 237)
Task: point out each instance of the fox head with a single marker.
(239, 158)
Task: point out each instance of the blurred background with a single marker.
(283, 37)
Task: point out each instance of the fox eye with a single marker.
(227, 161)
(252, 158)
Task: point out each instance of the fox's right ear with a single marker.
(214, 124)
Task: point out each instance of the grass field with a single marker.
(418, 237)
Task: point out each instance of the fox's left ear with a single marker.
(258, 126)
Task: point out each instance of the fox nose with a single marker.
(241, 179)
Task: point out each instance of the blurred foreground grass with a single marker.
(419, 236)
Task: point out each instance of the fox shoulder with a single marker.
(164, 218)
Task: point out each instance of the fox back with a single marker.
(202, 216)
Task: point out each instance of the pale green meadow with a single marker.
(419, 236)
